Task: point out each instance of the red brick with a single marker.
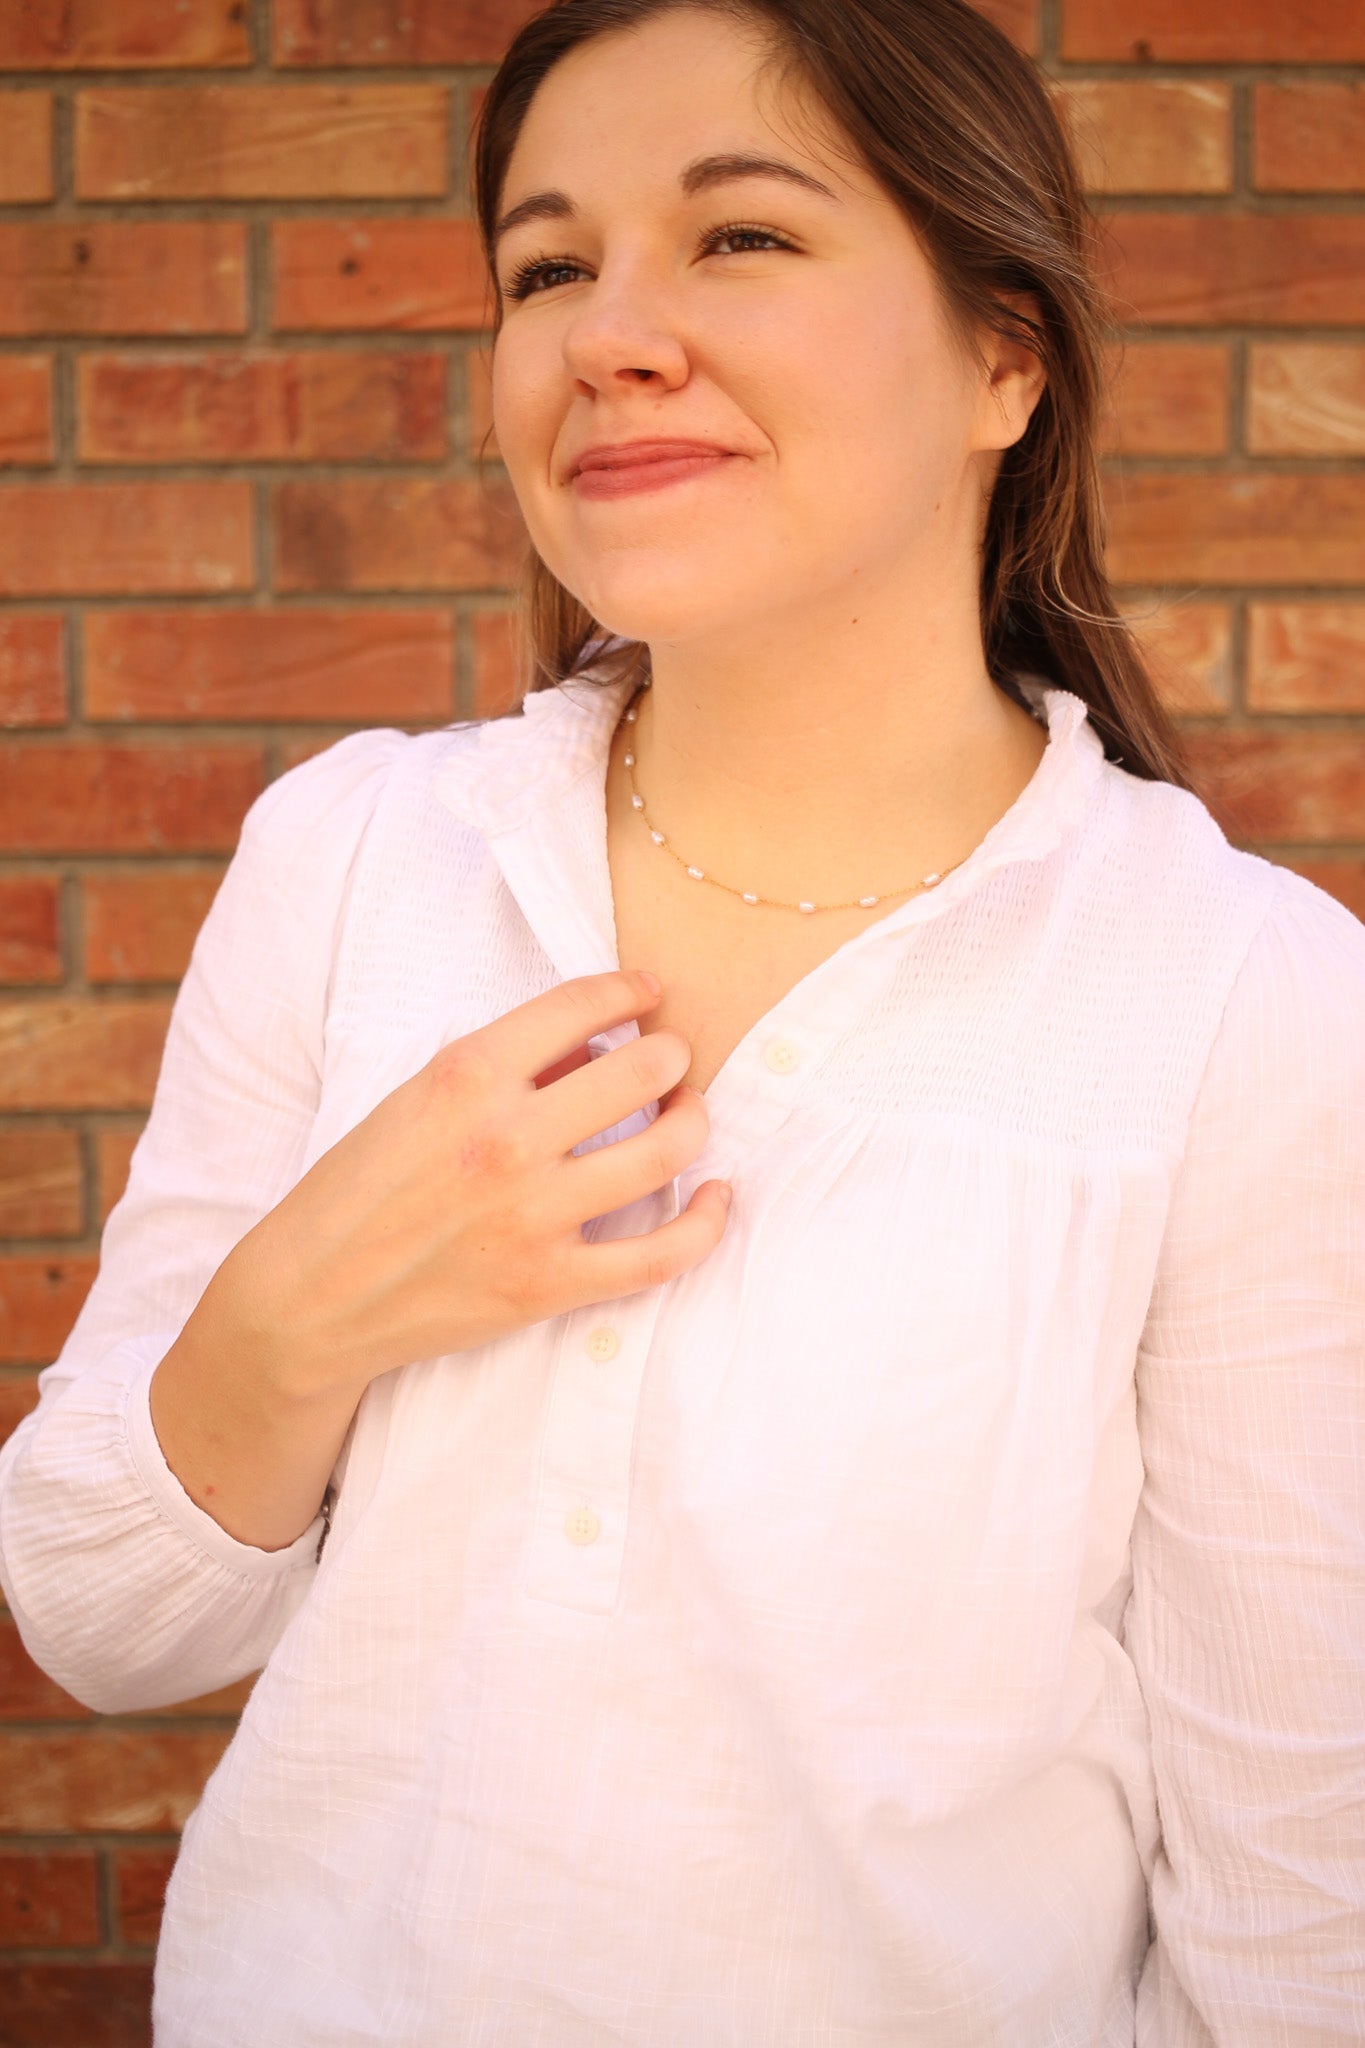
(1281, 787)
(39, 1300)
(142, 35)
(1252, 269)
(1306, 657)
(415, 275)
(1344, 879)
(123, 277)
(18, 1397)
(30, 933)
(497, 665)
(72, 1053)
(344, 667)
(1306, 398)
(42, 1190)
(322, 405)
(77, 2005)
(26, 1693)
(140, 1880)
(1167, 398)
(262, 142)
(379, 32)
(106, 1780)
(114, 1145)
(1309, 138)
(1188, 648)
(82, 798)
(25, 147)
(141, 926)
(69, 539)
(396, 533)
(1230, 527)
(32, 670)
(481, 441)
(49, 1899)
(25, 409)
(1194, 32)
(1149, 135)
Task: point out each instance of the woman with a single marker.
(922, 1605)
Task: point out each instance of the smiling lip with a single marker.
(615, 472)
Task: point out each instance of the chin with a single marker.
(673, 603)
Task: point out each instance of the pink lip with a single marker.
(630, 466)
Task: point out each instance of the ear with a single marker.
(1015, 382)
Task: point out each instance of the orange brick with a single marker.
(30, 932)
(25, 147)
(144, 35)
(497, 665)
(1149, 135)
(379, 32)
(1230, 527)
(481, 441)
(32, 670)
(39, 1301)
(77, 2005)
(1344, 879)
(262, 142)
(1306, 657)
(1306, 398)
(1193, 32)
(1309, 138)
(42, 1191)
(1167, 398)
(1253, 269)
(83, 798)
(140, 1880)
(123, 277)
(106, 1780)
(59, 540)
(25, 409)
(343, 667)
(49, 1899)
(321, 405)
(415, 275)
(141, 926)
(1188, 647)
(18, 1398)
(76, 1054)
(396, 533)
(114, 1145)
(1281, 787)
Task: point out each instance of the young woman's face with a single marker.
(698, 263)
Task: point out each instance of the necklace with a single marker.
(746, 895)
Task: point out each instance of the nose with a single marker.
(623, 334)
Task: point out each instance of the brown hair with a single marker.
(958, 127)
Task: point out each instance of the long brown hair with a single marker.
(958, 127)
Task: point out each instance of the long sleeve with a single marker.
(123, 1590)
(1247, 1619)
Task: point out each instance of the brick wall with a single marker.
(240, 392)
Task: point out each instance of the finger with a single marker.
(579, 1057)
(624, 1265)
(536, 1034)
(610, 1176)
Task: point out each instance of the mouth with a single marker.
(646, 466)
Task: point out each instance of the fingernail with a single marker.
(726, 1193)
(651, 981)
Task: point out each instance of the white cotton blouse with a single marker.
(936, 1620)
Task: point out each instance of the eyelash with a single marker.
(521, 284)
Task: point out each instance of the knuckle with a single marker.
(495, 1152)
(464, 1068)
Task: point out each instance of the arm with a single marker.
(123, 1589)
(1247, 1619)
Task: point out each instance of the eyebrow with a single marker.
(698, 176)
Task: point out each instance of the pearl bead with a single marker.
(696, 874)
(867, 902)
(805, 906)
(929, 880)
(638, 802)
(630, 760)
(657, 837)
(748, 898)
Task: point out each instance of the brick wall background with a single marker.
(241, 390)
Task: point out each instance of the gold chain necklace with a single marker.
(747, 895)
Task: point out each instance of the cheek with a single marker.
(527, 403)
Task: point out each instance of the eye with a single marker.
(543, 273)
(747, 234)
(538, 273)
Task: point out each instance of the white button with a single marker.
(781, 1055)
(581, 1525)
(603, 1342)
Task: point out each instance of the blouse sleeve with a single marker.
(1246, 1624)
(123, 1590)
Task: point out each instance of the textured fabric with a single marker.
(972, 1652)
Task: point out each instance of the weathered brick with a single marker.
(1230, 527)
(142, 35)
(106, 1780)
(25, 147)
(344, 667)
(1188, 648)
(1149, 135)
(1306, 398)
(39, 1299)
(318, 405)
(42, 1190)
(18, 1397)
(1288, 788)
(396, 533)
(1256, 269)
(114, 1145)
(1309, 138)
(415, 275)
(25, 409)
(497, 665)
(140, 926)
(30, 933)
(123, 277)
(1167, 398)
(1344, 879)
(59, 540)
(1306, 657)
(32, 669)
(49, 1899)
(380, 32)
(81, 798)
(1193, 32)
(262, 142)
(140, 1880)
(26, 1693)
(77, 2005)
(71, 1053)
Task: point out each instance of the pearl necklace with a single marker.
(746, 895)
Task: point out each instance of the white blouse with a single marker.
(936, 1620)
